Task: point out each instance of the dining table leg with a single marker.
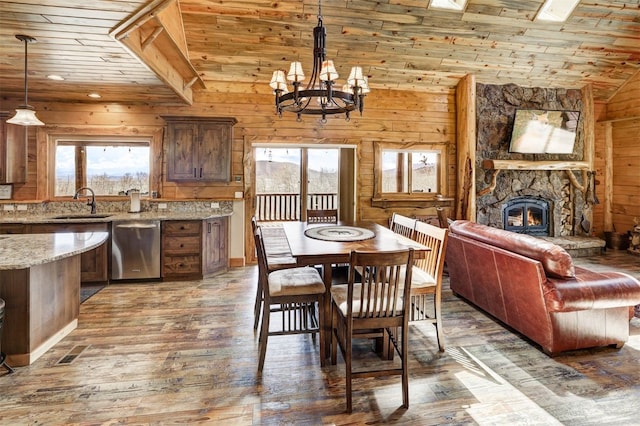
(328, 332)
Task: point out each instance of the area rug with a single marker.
(339, 233)
(88, 290)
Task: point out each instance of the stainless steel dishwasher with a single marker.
(135, 249)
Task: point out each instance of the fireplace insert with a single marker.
(526, 216)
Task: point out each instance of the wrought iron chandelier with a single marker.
(319, 96)
(25, 114)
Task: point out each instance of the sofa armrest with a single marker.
(591, 290)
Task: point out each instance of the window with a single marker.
(281, 173)
(410, 171)
(107, 167)
(458, 5)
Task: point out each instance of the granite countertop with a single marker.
(22, 251)
(108, 217)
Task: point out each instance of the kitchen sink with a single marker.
(82, 216)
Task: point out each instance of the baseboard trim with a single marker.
(236, 262)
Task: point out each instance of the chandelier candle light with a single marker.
(319, 96)
(25, 114)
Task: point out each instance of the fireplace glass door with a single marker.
(528, 216)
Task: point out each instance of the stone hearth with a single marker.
(579, 246)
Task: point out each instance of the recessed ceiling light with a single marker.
(556, 10)
(94, 95)
(55, 77)
(448, 4)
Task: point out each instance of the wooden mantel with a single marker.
(534, 165)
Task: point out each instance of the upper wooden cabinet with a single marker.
(199, 148)
(13, 151)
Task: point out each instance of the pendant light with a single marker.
(319, 96)
(25, 114)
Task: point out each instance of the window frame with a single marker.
(384, 197)
(50, 139)
(80, 154)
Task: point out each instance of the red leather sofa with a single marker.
(532, 286)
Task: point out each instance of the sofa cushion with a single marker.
(554, 259)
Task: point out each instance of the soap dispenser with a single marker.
(134, 196)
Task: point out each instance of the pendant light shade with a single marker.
(25, 117)
(25, 114)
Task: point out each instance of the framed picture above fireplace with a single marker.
(538, 131)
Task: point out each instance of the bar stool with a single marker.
(3, 357)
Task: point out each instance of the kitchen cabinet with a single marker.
(192, 249)
(13, 151)
(215, 253)
(180, 249)
(93, 263)
(199, 148)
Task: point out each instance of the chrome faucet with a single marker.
(91, 202)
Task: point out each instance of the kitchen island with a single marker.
(40, 284)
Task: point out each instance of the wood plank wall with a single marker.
(389, 116)
(619, 121)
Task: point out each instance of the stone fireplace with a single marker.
(555, 197)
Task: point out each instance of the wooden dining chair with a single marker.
(292, 292)
(373, 307)
(322, 216)
(426, 282)
(402, 225)
(278, 257)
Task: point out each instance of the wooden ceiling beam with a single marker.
(155, 36)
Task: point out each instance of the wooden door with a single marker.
(214, 247)
(182, 150)
(214, 152)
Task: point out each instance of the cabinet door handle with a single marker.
(194, 172)
(200, 172)
(208, 227)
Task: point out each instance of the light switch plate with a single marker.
(22, 207)
(162, 206)
(215, 205)
(239, 194)
(8, 207)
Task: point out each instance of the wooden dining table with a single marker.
(312, 251)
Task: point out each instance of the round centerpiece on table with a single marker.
(339, 233)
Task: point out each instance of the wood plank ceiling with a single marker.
(401, 44)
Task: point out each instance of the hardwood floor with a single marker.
(186, 353)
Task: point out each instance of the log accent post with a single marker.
(608, 178)
(466, 148)
(589, 146)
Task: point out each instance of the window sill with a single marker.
(415, 201)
